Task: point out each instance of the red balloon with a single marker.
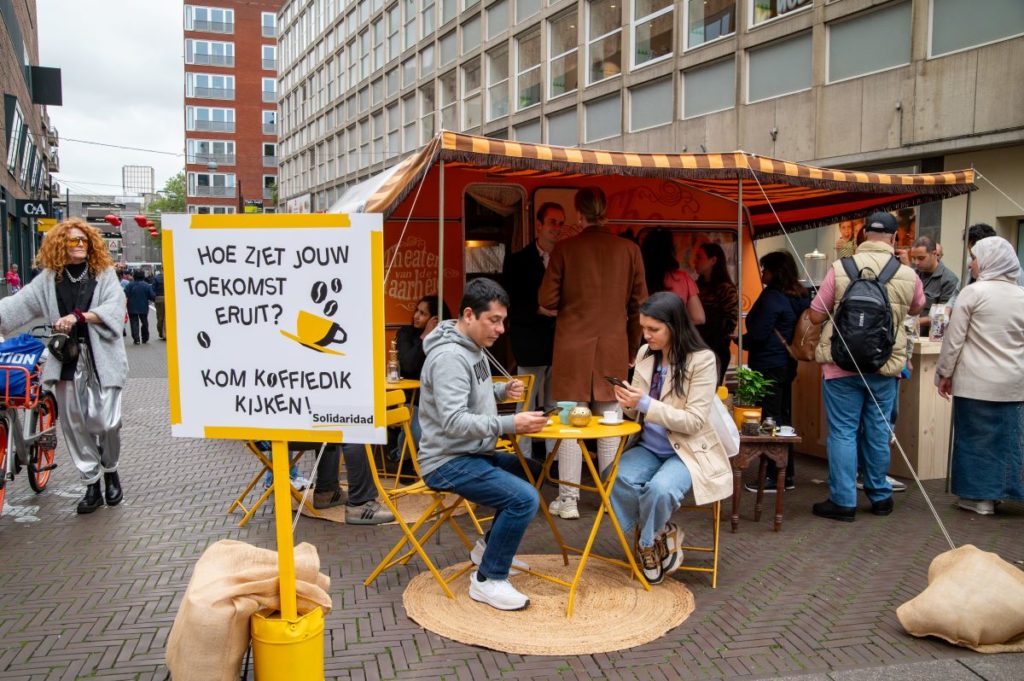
(112, 219)
(140, 220)
(150, 223)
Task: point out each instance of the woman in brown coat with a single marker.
(594, 283)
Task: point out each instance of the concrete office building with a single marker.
(921, 85)
(231, 105)
(28, 143)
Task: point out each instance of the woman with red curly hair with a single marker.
(78, 293)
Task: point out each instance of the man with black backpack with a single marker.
(863, 300)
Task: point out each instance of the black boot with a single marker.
(113, 491)
(92, 500)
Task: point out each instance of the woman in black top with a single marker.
(720, 299)
(410, 347)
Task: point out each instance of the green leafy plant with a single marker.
(751, 387)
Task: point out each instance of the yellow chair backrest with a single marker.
(527, 381)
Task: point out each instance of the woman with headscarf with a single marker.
(78, 293)
(981, 366)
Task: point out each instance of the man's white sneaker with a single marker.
(897, 486)
(564, 507)
(497, 593)
(477, 555)
(979, 506)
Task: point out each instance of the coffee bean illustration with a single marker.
(330, 308)
(319, 292)
(336, 285)
(204, 339)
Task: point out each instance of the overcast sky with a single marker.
(121, 71)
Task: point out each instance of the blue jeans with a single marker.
(858, 436)
(497, 481)
(648, 490)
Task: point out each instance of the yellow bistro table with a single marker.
(409, 385)
(559, 431)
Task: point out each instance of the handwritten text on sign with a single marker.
(274, 326)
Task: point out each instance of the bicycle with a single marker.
(33, 442)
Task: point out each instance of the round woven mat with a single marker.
(610, 611)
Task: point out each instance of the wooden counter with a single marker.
(922, 426)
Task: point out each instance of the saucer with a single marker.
(611, 423)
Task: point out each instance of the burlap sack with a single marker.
(974, 599)
(232, 580)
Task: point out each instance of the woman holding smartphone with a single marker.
(678, 450)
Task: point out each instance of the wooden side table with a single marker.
(761, 448)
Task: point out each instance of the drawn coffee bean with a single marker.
(319, 292)
(204, 339)
(330, 308)
(336, 285)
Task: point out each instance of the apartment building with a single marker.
(231, 106)
(919, 85)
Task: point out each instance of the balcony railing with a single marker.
(212, 191)
(219, 159)
(53, 163)
(270, 95)
(270, 31)
(270, 161)
(213, 26)
(268, 129)
(214, 126)
(213, 59)
(270, 65)
(214, 93)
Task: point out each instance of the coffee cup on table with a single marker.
(786, 431)
(612, 416)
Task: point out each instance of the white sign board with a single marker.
(275, 326)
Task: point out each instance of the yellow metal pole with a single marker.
(283, 520)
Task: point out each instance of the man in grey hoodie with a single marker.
(460, 422)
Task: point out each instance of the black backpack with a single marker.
(864, 320)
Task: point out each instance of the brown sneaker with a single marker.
(650, 564)
(329, 499)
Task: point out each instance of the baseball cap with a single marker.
(880, 222)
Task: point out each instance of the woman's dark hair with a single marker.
(782, 267)
(668, 309)
(719, 272)
(480, 293)
(659, 254)
(431, 302)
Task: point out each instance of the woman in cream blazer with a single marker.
(672, 391)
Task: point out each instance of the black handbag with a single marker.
(64, 347)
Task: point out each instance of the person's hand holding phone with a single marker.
(626, 395)
(530, 421)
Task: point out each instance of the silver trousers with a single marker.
(90, 417)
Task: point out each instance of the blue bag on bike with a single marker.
(21, 351)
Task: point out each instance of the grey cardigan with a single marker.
(38, 300)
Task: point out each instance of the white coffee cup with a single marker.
(786, 431)
(612, 417)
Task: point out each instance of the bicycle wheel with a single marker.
(3, 462)
(40, 461)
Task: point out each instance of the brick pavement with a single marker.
(95, 596)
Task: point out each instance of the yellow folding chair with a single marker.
(266, 465)
(438, 512)
(396, 398)
(715, 510)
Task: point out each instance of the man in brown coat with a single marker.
(595, 284)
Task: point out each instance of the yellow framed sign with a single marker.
(275, 326)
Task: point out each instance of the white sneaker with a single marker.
(897, 486)
(301, 482)
(477, 555)
(979, 506)
(497, 593)
(564, 507)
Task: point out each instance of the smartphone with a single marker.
(616, 381)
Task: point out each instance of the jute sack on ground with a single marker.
(974, 599)
(232, 580)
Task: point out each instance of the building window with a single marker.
(449, 8)
(378, 137)
(527, 8)
(449, 98)
(221, 152)
(449, 48)
(708, 20)
(426, 113)
(603, 118)
(709, 88)
(427, 60)
(269, 57)
(394, 119)
(209, 19)
(527, 70)
(781, 68)
(471, 34)
(959, 25)
(604, 40)
(14, 142)
(651, 30)
(409, 116)
(408, 72)
(209, 86)
(887, 31)
(497, 18)
(562, 128)
(471, 94)
(377, 31)
(209, 119)
(269, 154)
(211, 210)
(269, 122)
(497, 83)
(269, 90)
(411, 36)
(364, 54)
(269, 187)
(211, 184)
(650, 104)
(209, 53)
(268, 24)
(427, 14)
(765, 10)
(394, 32)
(528, 132)
(563, 39)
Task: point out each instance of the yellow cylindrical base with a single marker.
(288, 651)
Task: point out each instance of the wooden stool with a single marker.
(762, 448)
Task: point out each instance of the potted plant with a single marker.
(751, 387)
